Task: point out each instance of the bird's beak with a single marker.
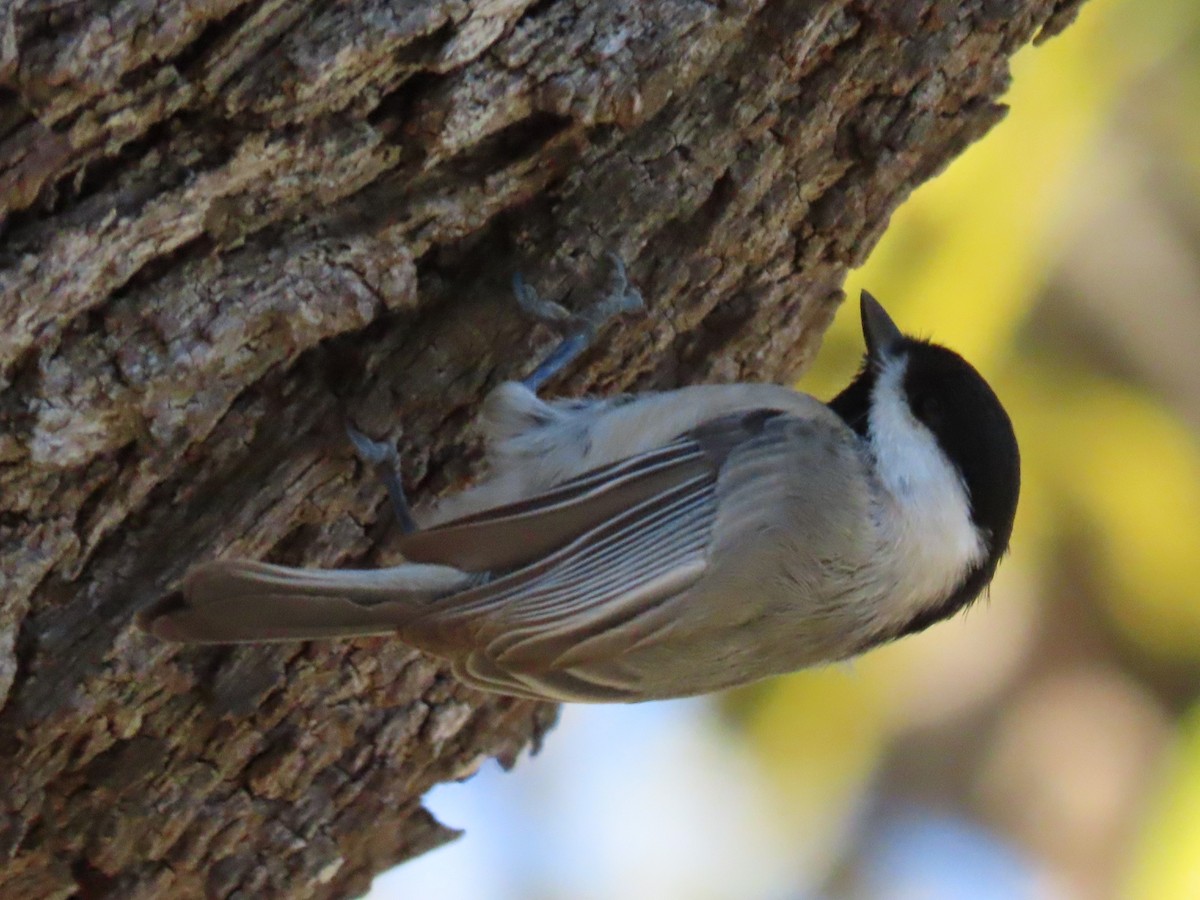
(879, 331)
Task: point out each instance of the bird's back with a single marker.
(534, 445)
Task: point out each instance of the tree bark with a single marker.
(228, 223)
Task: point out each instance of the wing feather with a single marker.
(597, 685)
(519, 533)
(646, 565)
(609, 560)
(647, 553)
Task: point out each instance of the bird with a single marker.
(671, 543)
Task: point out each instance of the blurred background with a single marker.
(1047, 744)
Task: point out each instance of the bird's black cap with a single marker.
(953, 400)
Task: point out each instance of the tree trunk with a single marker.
(229, 223)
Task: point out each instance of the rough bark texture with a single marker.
(226, 221)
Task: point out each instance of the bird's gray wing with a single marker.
(517, 534)
(607, 589)
(611, 574)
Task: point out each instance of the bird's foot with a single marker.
(579, 329)
(384, 459)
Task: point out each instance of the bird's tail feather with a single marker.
(235, 601)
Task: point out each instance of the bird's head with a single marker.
(943, 444)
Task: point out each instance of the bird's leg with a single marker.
(385, 460)
(579, 329)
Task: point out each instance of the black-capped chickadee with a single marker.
(669, 544)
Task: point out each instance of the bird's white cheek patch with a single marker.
(930, 528)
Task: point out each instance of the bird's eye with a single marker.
(929, 409)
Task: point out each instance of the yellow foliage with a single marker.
(1121, 471)
(1168, 861)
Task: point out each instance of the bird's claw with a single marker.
(578, 329)
(384, 458)
(373, 453)
(547, 312)
(621, 298)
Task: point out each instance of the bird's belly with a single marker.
(719, 634)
